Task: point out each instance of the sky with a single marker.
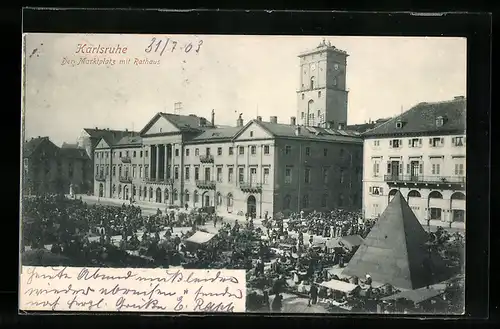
(253, 75)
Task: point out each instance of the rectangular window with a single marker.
(459, 169)
(140, 154)
(134, 171)
(241, 150)
(146, 152)
(208, 176)
(241, 174)
(288, 175)
(219, 174)
(395, 143)
(187, 152)
(230, 150)
(325, 152)
(436, 142)
(114, 171)
(207, 151)
(230, 172)
(266, 149)
(458, 141)
(186, 172)
(376, 168)
(140, 171)
(176, 172)
(146, 171)
(196, 173)
(307, 175)
(253, 175)
(288, 149)
(253, 150)
(196, 152)
(308, 151)
(376, 143)
(436, 169)
(219, 151)
(120, 154)
(135, 154)
(126, 154)
(266, 176)
(176, 152)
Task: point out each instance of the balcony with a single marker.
(125, 179)
(205, 184)
(447, 181)
(207, 158)
(161, 181)
(100, 178)
(251, 187)
(125, 159)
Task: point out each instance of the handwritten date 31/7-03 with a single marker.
(161, 46)
(129, 290)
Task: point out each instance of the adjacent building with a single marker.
(50, 169)
(422, 154)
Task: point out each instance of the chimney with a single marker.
(297, 131)
(213, 117)
(259, 118)
(239, 122)
(273, 119)
(201, 121)
(293, 121)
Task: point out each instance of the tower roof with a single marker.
(395, 250)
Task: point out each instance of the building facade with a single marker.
(50, 169)
(322, 95)
(260, 167)
(421, 153)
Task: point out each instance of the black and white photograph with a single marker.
(329, 171)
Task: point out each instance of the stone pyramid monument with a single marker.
(395, 251)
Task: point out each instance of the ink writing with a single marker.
(161, 46)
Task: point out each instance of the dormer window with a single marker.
(439, 121)
(399, 124)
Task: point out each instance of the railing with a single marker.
(207, 158)
(425, 179)
(251, 187)
(163, 181)
(205, 184)
(100, 178)
(126, 159)
(125, 179)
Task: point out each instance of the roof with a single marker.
(187, 122)
(110, 136)
(129, 141)
(286, 130)
(422, 119)
(200, 237)
(75, 153)
(395, 250)
(33, 144)
(69, 146)
(363, 127)
(219, 133)
(339, 285)
(417, 296)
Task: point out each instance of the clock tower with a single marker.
(322, 94)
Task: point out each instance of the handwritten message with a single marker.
(131, 290)
(160, 46)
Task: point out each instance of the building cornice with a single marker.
(415, 134)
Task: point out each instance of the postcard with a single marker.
(239, 173)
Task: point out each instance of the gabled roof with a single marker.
(316, 133)
(110, 136)
(130, 141)
(217, 134)
(75, 153)
(422, 119)
(31, 146)
(395, 251)
(182, 122)
(363, 127)
(69, 146)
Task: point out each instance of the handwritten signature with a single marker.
(161, 45)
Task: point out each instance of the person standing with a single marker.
(313, 295)
(277, 303)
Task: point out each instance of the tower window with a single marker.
(302, 115)
(312, 83)
(303, 93)
(334, 81)
(319, 113)
(319, 94)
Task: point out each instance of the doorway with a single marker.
(395, 169)
(125, 193)
(158, 195)
(251, 205)
(414, 170)
(101, 190)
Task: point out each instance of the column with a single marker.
(166, 161)
(157, 169)
(172, 160)
(150, 167)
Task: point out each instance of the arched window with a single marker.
(305, 201)
(145, 192)
(435, 195)
(119, 189)
(286, 202)
(140, 192)
(175, 195)
(195, 196)
(312, 85)
(219, 199)
(150, 192)
(458, 196)
(166, 194)
(414, 194)
(324, 200)
(114, 188)
(134, 190)
(186, 194)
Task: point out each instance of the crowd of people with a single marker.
(277, 256)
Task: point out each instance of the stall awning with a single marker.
(417, 296)
(352, 240)
(200, 237)
(339, 286)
